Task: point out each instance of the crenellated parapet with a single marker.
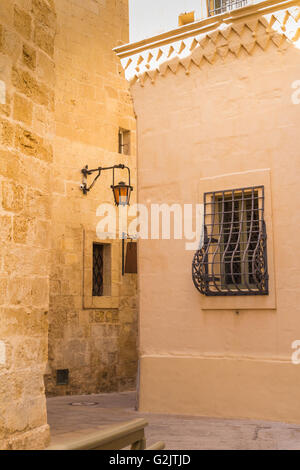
(263, 25)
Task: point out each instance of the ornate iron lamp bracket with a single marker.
(87, 172)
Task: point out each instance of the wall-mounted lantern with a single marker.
(121, 191)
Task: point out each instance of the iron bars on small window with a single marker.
(97, 270)
(233, 258)
(216, 7)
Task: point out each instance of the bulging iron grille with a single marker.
(233, 258)
(97, 270)
(221, 6)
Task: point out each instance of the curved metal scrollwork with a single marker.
(260, 262)
(199, 271)
(233, 258)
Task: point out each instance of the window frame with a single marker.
(124, 141)
(112, 272)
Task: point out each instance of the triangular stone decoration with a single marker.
(203, 41)
(263, 22)
(225, 32)
(128, 63)
(286, 17)
(223, 51)
(210, 48)
(252, 24)
(284, 44)
(159, 54)
(297, 35)
(193, 45)
(238, 28)
(210, 57)
(163, 68)
(171, 50)
(239, 39)
(133, 80)
(210, 52)
(213, 36)
(261, 28)
(197, 55)
(233, 36)
(152, 75)
(221, 41)
(186, 62)
(182, 47)
(234, 47)
(272, 21)
(249, 45)
(263, 41)
(247, 29)
(277, 39)
(173, 64)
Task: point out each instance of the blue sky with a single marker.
(148, 17)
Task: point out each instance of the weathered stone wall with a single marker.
(62, 101)
(96, 341)
(27, 79)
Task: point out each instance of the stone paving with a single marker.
(94, 412)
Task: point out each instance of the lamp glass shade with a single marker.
(122, 194)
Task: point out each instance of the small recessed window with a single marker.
(62, 377)
(233, 258)
(124, 141)
(101, 270)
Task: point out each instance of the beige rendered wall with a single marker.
(27, 79)
(232, 117)
(95, 340)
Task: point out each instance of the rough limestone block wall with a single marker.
(27, 78)
(98, 346)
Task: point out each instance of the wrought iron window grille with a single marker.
(98, 283)
(233, 258)
(216, 7)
